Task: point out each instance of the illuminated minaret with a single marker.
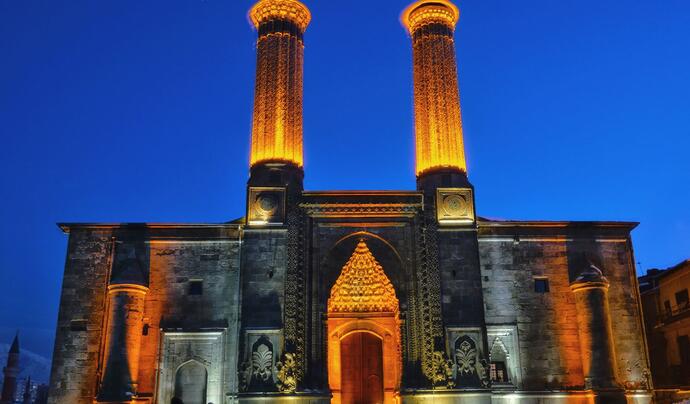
(438, 125)
(449, 219)
(277, 123)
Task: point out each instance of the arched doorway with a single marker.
(190, 383)
(364, 356)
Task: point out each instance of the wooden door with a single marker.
(362, 369)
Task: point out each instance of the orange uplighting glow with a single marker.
(438, 124)
(362, 286)
(363, 301)
(277, 121)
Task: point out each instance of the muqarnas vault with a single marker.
(351, 297)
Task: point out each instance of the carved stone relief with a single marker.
(262, 365)
(257, 372)
(266, 206)
(428, 291)
(454, 206)
(471, 367)
(295, 302)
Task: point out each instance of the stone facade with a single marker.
(238, 314)
(168, 262)
(439, 305)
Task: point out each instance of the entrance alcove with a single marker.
(364, 354)
(190, 383)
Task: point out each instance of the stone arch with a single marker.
(191, 382)
(346, 328)
(362, 234)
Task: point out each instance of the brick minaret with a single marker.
(11, 371)
(438, 125)
(276, 157)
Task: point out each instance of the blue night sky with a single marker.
(140, 111)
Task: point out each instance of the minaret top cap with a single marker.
(291, 10)
(15, 344)
(590, 277)
(429, 11)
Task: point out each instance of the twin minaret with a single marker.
(276, 146)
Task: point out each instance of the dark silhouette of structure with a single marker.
(10, 372)
(27, 392)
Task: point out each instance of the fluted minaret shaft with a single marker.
(438, 124)
(277, 122)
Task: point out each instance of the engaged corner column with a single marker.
(122, 343)
(596, 336)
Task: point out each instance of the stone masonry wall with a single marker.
(264, 258)
(460, 279)
(546, 322)
(169, 304)
(80, 319)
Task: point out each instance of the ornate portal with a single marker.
(364, 363)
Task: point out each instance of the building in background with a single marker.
(351, 296)
(667, 322)
(14, 390)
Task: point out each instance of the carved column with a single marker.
(122, 343)
(596, 337)
(438, 125)
(277, 123)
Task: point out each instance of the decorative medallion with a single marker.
(266, 206)
(362, 286)
(454, 206)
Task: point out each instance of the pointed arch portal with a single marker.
(364, 355)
